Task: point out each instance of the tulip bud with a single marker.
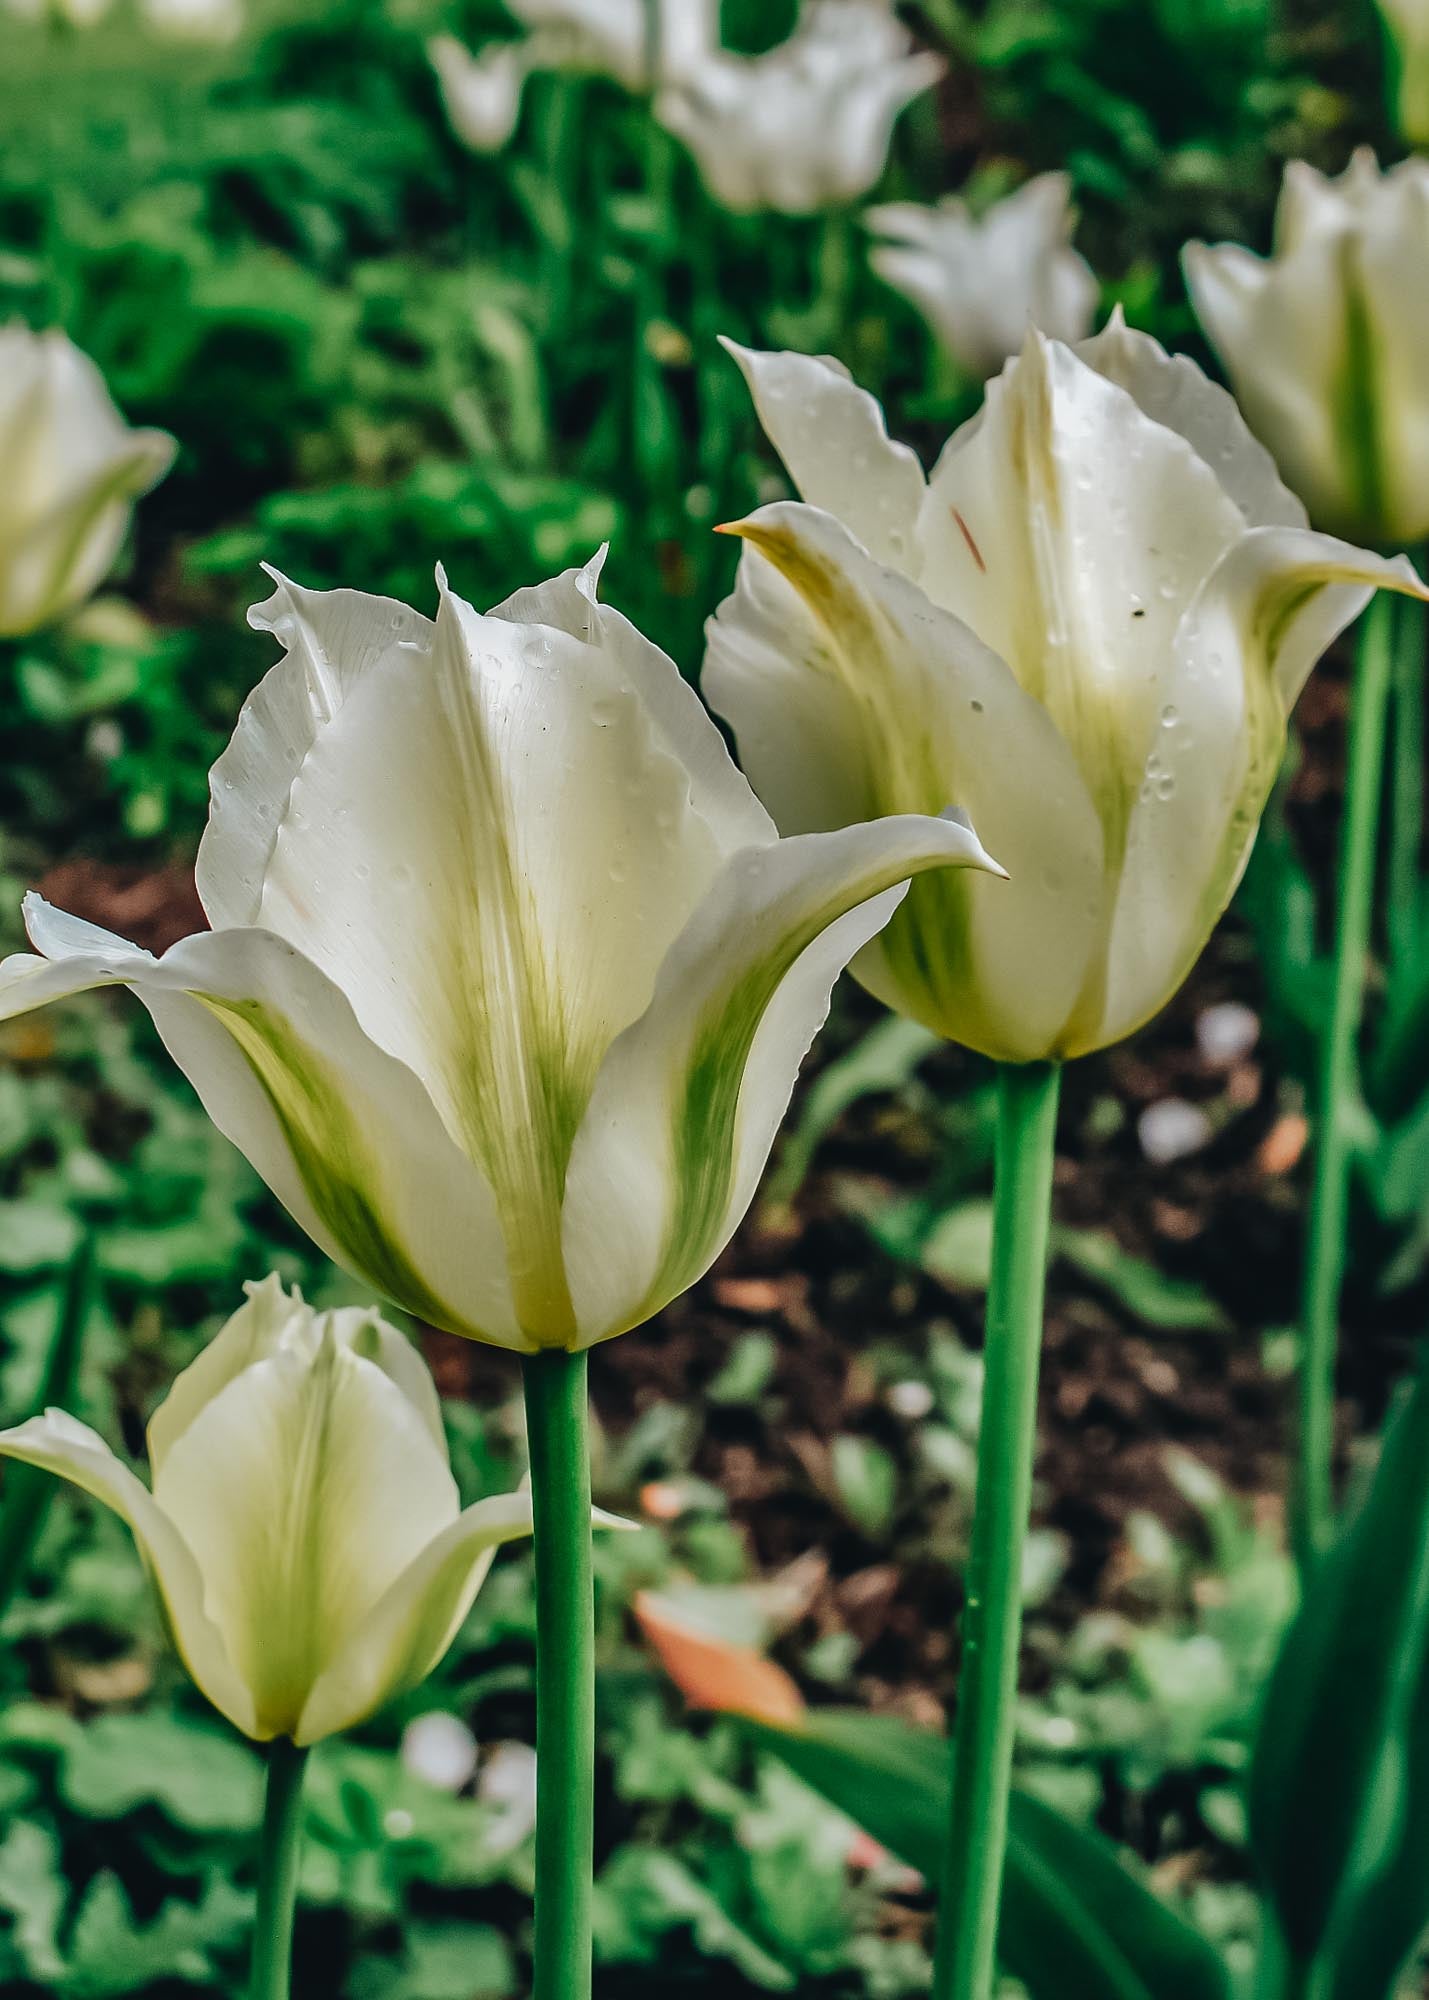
(980, 282)
(510, 973)
(808, 125)
(1324, 344)
(304, 1531)
(72, 470)
(1088, 626)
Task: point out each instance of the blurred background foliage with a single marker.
(378, 351)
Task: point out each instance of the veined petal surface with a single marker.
(1071, 531)
(344, 1134)
(917, 714)
(688, 1101)
(1244, 650)
(835, 446)
(404, 1634)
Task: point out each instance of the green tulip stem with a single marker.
(1406, 809)
(992, 1617)
(1339, 1104)
(557, 1426)
(279, 1850)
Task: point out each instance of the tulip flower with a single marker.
(481, 94)
(1089, 624)
(303, 1531)
(1323, 342)
(73, 469)
(637, 42)
(620, 39)
(1406, 25)
(807, 125)
(980, 282)
(509, 974)
(1324, 345)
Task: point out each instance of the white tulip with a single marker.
(1324, 343)
(481, 94)
(303, 1530)
(510, 973)
(1407, 23)
(617, 38)
(72, 470)
(1088, 625)
(980, 282)
(808, 125)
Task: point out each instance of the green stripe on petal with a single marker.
(337, 1165)
(688, 1101)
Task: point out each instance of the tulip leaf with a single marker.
(1337, 1812)
(1078, 1922)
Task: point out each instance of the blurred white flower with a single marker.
(1226, 1032)
(70, 470)
(1172, 1129)
(481, 94)
(981, 281)
(1325, 343)
(508, 1783)
(806, 126)
(634, 41)
(439, 1749)
(194, 20)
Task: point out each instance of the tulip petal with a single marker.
(688, 1101)
(58, 1444)
(306, 1487)
(835, 446)
(404, 1635)
(997, 970)
(1317, 411)
(719, 791)
(268, 1316)
(346, 1136)
(1172, 390)
(1245, 649)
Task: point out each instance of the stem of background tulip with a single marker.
(557, 1427)
(1406, 806)
(992, 1617)
(1339, 1103)
(281, 1845)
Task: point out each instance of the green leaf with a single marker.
(1078, 1923)
(32, 1893)
(199, 1777)
(1146, 1292)
(1331, 1760)
(442, 1962)
(111, 1954)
